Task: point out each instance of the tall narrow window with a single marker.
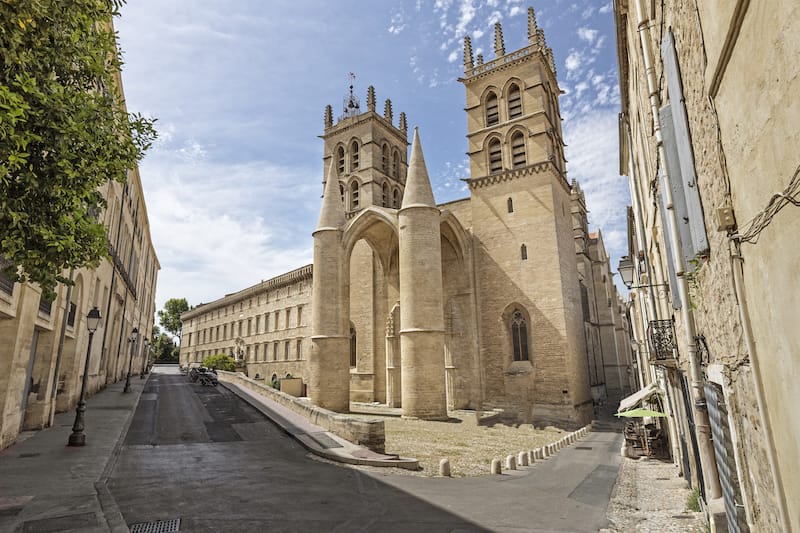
(352, 346)
(519, 336)
(517, 150)
(353, 155)
(275, 352)
(286, 351)
(354, 195)
(523, 252)
(385, 195)
(396, 199)
(299, 349)
(510, 205)
(495, 157)
(396, 165)
(514, 102)
(341, 193)
(492, 111)
(340, 160)
(385, 159)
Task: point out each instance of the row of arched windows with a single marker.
(390, 196)
(494, 151)
(390, 159)
(513, 100)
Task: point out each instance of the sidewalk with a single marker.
(47, 486)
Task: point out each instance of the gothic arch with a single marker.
(452, 230)
(518, 337)
(375, 226)
(490, 104)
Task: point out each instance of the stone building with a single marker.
(709, 140)
(474, 303)
(44, 343)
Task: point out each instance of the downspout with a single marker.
(705, 447)
(744, 317)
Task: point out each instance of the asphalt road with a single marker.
(202, 455)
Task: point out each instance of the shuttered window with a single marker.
(495, 157)
(514, 102)
(518, 150)
(492, 111)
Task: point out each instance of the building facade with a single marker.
(45, 343)
(470, 304)
(709, 136)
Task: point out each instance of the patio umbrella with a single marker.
(640, 413)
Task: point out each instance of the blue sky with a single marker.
(239, 89)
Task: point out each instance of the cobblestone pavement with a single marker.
(649, 497)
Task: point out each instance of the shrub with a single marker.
(693, 501)
(220, 362)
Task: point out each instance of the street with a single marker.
(202, 455)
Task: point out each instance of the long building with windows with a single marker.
(499, 300)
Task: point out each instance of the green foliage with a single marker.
(64, 132)
(164, 348)
(693, 501)
(220, 362)
(170, 316)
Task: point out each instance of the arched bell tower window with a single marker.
(385, 195)
(396, 165)
(396, 199)
(354, 195)
(353, 155)
(495, 157)
(514, 101)
(385, 159)
(340, 160)
(353, 340)
(518, 150)
(492, 110)
(519, 336)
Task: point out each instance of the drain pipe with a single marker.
(744, 318)
(705, 447)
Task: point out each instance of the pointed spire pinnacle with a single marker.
(371, 98)
(403, 123)
(328, 116)
(531, 26)
(499, 47)
(331, 215)
(468, 62)
(480, 59)
(418, 185)
(387, 110)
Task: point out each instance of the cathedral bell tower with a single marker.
(367, 153)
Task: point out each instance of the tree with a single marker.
(64, 132)
(220, 361)
(170, 316)
(164, 347)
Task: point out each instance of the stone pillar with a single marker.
(393, 387)
(329, 358)
(421, 300)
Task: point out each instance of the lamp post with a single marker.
(78, 438)
(145, 357)
(626, 269)
(133, 337)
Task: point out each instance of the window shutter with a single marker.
(676, 184)
(686, 182)
(673, 279)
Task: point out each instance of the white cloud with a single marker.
(515, 10)
(493, 18)
(587, 34)
(453, 56)
(606, 8)
(574, 61)
(467, 13)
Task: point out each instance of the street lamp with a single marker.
(626, 269)
(145, 357)
(133, 337)
(78, 438)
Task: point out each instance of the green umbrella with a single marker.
(640, 413)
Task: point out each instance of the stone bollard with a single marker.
(531, 456)
(538, 454)
(545, 451)
(496, 466)
(511, 463)
(444, 467)
(522, 458)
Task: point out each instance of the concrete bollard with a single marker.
(538, 453)
(444, 467)
(522, 458)
(531, 456)
(496, 466)
(546, 451)
(511, 463)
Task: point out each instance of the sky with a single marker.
(239, 88)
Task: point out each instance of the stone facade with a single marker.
(471, 304)
(45, 343)
(737, 68)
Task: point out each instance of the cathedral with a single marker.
(501, 300)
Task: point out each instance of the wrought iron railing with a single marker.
(6, 283)
(663, 345)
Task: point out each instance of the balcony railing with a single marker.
(663, 346)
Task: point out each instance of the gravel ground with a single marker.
(649, 497)
(469, 447)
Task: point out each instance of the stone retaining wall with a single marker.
(368, 433)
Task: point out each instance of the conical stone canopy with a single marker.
(418, 185)
(332, 213)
